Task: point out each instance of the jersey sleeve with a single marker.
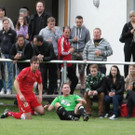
(77, 97)
(22, 75)
(39, 78)
(54, 101)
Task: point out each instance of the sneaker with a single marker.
(100, 116)
(5, 114)
(86, 117)
(8, 92)
(113, 117)
(106, 115)
(2, 92)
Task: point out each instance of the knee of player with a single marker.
(57, 105)
(26, 116)
(41, 112)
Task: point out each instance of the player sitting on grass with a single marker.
(27, 101)
(68, 107)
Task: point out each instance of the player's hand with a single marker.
(95, 92)
(22, 98)
(46, 107)
(39, 99)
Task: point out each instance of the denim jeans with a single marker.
(116, 99)
(10, 73)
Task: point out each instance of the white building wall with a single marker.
(110, 17)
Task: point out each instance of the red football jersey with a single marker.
(27, 78)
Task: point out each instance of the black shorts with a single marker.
(70, 113)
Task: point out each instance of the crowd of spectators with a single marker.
(38, 35)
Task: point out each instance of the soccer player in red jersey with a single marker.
(28, 103)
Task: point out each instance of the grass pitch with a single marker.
(49, 124)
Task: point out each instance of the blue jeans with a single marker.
(116, 99)
(10, 73)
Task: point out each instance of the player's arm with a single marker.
(16, 84)
(40, 87)
(48, 107)
(81, 100)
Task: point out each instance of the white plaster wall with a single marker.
(110, 17)
(61, 13)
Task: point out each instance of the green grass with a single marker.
(49, 124)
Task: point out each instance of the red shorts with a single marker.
(29, 105)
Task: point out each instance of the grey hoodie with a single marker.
(83, 36)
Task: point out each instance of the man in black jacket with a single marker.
(45, 52)
(37, 20)
(7, 39)
(21, 50)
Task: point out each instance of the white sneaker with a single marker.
(113, 117)
(8, 92)
(2, 92)
(106, 115)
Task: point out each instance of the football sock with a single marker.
(81, 110)
(15, 115)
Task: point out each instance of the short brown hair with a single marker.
(50, 19)
(5, 19)
(65, 84)
(93, 66)
(34, 58)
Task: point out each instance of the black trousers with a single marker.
(73, 78)
(129, 50)
(49, 71)
(131, 102)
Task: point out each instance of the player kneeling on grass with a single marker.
(27, 101)
(68, 107)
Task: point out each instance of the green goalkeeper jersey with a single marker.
(69, 103)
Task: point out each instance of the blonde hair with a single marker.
(131, 13)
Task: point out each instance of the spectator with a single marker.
(97, 50)
(114, 92)
(64, 53)
(3, 16)
(51, 33)
(21, 50)
(79, 37)
(130, 88)
(37, 20)
(23, 12)
(127, 37)
(28, 103)
(22, 27)
(68, 107)
(45, 52)
(94, 87)
(7, 39)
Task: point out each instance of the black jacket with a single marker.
(46, 49)
(126, 34)
(26, 51)
(7, 39)
(33, 24)
(118, 87)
